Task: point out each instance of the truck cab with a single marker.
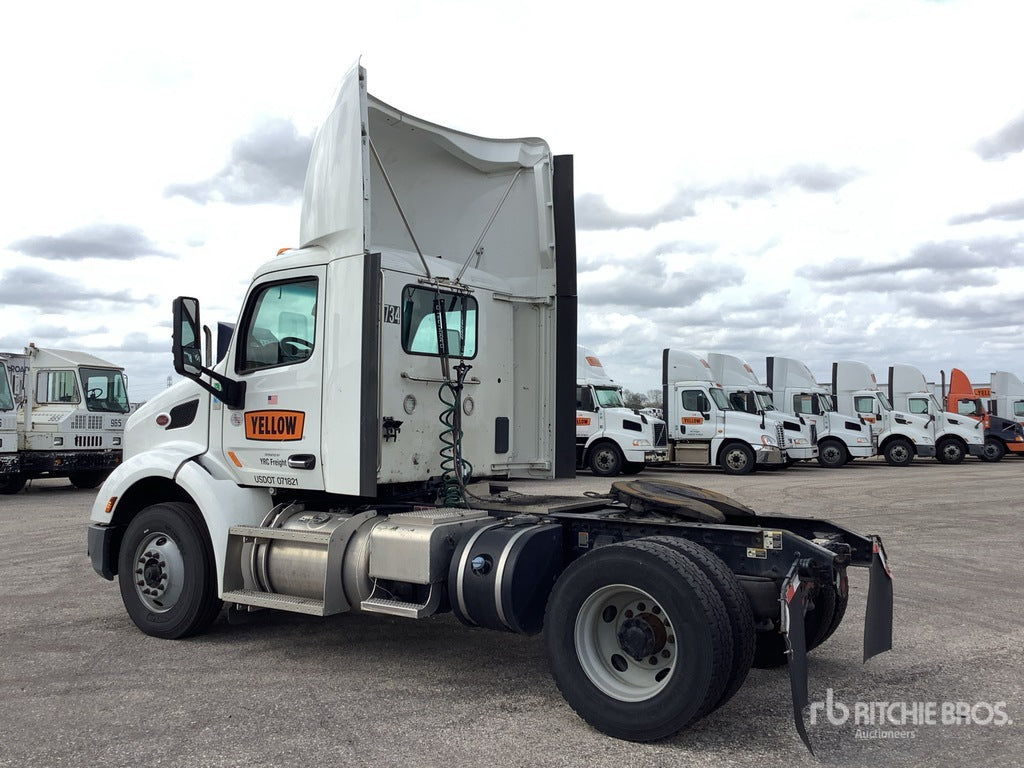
(901, 435)
(841, 437)
(1005, 396)
(611, 438)
(9, 462)
(955, 436)
(1002, 435)
(705, 429)
(72, 409)
(747, 393)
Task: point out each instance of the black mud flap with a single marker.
(794, 599)
(878, 612)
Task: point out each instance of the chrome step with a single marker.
(291, 603)
(278, 534)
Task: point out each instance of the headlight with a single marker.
(641, 443)
(58, 441)
(767, 440)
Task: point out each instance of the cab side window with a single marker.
(864, 404)
(279, 327)
(917, 405)
(694, 400)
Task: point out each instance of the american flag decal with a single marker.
(271, 399)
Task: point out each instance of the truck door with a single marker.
(278, 351)
(696, 420)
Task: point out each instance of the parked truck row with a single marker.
(62, 414)
(423, 335)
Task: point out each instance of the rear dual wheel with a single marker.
(640, 640)
(820, 622)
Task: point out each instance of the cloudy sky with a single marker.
(815, 180)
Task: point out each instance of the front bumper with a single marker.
(10, 464)
(769, 454)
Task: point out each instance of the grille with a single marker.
(95, 422)
(814, 434)
(88, 441)
(78, 422)
(780, 434)
(660, 438)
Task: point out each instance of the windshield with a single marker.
(825, 404)
(886, 405)
(105, 390)
(609, 397)
(720, 399)
(6, 401)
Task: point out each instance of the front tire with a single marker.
(605, 460)
(166, 571)
(638, 640)
(737, 459)
(87, 479)
(12, 484)
(950, 451)
(899, 452)
(832, 454)
(994, 450)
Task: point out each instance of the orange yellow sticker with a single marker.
(274, 425)
(691, 420)
(582, 421)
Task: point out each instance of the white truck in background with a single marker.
(611, 438)
(704, 429)
(747, 393)
(1005, 396)
(9, 464)
(901, 436)
(955, 436)
(71, 413)
(323, 466)
(841, 437)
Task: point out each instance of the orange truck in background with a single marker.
(1001, 435)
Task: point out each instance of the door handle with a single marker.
(302, 461)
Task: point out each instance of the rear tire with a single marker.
(737, 605)
(638, 640)
(994, 450)
(736, 459)
(832, 454)
(899, 452)
(166, 571)
(819, 624)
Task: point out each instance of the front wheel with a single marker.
(166, 571)
(994, 450)
(638, 640)
(831, 454)
(899, 452)
(737, 459)
(87, 479)
(12, 484)
(605, 460)
(950, 451)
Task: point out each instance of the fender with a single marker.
(177, 462)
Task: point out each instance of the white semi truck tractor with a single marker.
(841, 437)
(704, 429)
(423, 337)
(1006, 396)
(10, 466)
(612, 439)
(71, 411)
(955, 436)
(747, 393)
(901, 435)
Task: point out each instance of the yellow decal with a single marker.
(691, 420)
(274, 425)
(582, 421)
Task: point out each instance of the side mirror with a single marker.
(186, 341)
